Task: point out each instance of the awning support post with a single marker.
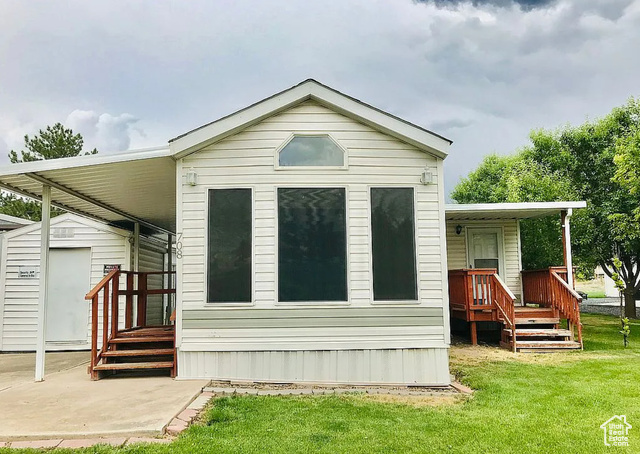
(565, 216)
(169, 309)
(44, 283)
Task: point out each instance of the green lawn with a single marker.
(530, 404)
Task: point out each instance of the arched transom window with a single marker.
(311, 151)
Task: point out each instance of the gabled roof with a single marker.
(621, 418)
(64, 218)
(8, 222)
(310, 89)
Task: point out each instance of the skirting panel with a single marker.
(428, 366)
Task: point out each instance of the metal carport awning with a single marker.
(136, 188)
(117, 189)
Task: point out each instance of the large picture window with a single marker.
(229, 246)
(393, 238)
(312, 244)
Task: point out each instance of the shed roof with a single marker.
(8, 222)
(496, 211)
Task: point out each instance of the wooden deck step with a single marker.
(541, 332)
(547, 345)
(136, 366)
(536, 321)
(141, 352)
(141, 339)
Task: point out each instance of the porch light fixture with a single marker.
(458, 229)
(426, 177)
(191, 177)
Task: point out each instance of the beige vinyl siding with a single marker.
(22, 248)
(247, 159)
(457, 248)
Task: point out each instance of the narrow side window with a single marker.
(394, 248)
(229, 246)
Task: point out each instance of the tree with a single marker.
(518, 178)
(594, 162)
(54, 142)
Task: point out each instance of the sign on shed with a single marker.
(109, 268)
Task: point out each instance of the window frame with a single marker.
(276, 157)
(205, 289)
(277, 301)
(416, 238)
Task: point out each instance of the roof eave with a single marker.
(213, 132)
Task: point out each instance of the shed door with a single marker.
(485, 249)
(69, 281)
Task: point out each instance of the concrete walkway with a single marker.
(69, 405)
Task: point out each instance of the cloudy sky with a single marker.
(483, 73)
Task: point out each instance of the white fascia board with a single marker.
(213, 132)
(14, 219)
(81, 161)
(502, 207)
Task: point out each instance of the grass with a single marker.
(523, 403)
(596, 294)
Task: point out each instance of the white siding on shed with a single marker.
(457, 248)
(22, 248)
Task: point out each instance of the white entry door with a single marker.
(485, 249)
(69, 281)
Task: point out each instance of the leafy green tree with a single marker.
(517, 178)
(54, 142)
(597, 162)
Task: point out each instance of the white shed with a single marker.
(81, 253)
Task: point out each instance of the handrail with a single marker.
(100, 285)
(505, 301)
(109, 286)
(567, 302)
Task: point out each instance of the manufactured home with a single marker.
(312, 244)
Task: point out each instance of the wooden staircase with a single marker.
(537, 330)
(128, 348)
(144, 348)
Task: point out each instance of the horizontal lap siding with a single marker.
(247, 160)
(20, 313)
(457, 248)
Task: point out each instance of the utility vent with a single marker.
(63, 232)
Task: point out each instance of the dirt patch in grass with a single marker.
(468, 355)
(415, 401)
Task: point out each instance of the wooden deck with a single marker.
(131, 347)
(479, 295)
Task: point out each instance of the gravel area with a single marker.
(605, 306)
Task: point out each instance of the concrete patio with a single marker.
(69, 405)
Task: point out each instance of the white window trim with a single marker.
(418, 300)
(225, 304)
(276, 157)
(276, 271)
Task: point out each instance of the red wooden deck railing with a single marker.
(482, 296)
(549, 288)
(109, 287)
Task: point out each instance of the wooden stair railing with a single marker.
(567, 302)
(505, 302)
(109, 283)
(549, 288)
(109, 287)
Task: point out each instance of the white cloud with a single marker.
(105, 132)
(483, 73)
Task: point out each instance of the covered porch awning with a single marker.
(120, 189)
(497, 211)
